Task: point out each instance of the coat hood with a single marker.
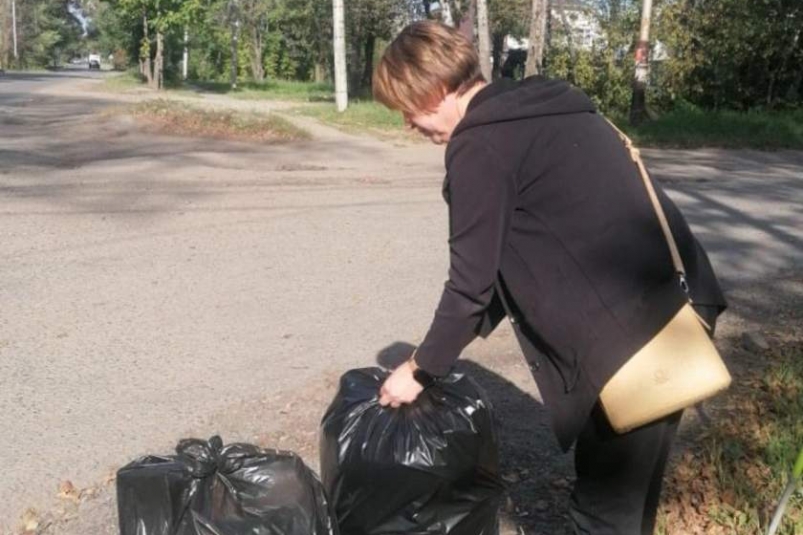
(509, 100)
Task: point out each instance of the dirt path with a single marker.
(157, 287)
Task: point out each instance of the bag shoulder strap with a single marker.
(677, 261)
(635, 155)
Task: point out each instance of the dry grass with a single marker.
(177, 118)
(730, 481)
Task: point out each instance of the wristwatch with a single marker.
(423, 377)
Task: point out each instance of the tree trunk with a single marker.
(319, 72)
(466, 24)
(638, 105)
(257, 67)
(234, 19)
(771, 89)
(785, 61)
(498, 46)
(354, 60)
(3, 36)
(535, 52)
(234, 56)
(14, 35)
(145, 52)
(793, 93)
(484, 39)
(158, 68)
(368, 71)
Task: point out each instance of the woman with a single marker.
(550, 224)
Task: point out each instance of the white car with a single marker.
(94, 61)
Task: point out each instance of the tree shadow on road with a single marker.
(746, 207)
(63, 152)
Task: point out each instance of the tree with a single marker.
(47, 32)
(484, 38)
(602, 68)
(368, 21)
(538, 26)
(507, 17)
(233, 18)
(256, 27)
(638, 106)
(152, 24)
(731, 54)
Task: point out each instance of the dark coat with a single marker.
(545, 201)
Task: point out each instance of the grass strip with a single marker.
(178, 118)
(360, 115)
(271, 90)
(691, 127)
(729, 482)
(123, 82)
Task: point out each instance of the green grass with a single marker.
(123, 81)
(731, 479)
(691, 127)
(686, 127)
(271, 90)
(177, 118)
(359, 116)
(365, 117)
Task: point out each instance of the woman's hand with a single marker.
(400, 387)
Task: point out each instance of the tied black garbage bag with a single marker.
(209, 489)
(426, 468)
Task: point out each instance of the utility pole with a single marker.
(484, 39)
(341, 85)
(535, 52)
(638, 106)
(14, 27)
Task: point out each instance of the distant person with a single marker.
(549, 216)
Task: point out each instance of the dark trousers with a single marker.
(619, 476)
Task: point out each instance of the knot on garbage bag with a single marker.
(205, 457)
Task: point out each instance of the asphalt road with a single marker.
(148, 282)
(14, 85)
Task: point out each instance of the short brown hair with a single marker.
(424, 63)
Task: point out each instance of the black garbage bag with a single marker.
(426, 468)
(209, 489)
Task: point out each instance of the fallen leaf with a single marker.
(30, 520)
(110, 477)
(67, 491)
(88, 493)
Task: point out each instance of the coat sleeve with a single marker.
(481, 195)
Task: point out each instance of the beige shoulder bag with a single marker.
(677, 368)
